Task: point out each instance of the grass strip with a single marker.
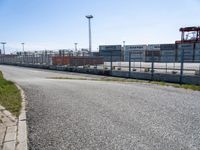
(10, 96)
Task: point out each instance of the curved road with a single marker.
(84, 114)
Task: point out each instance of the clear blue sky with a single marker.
(54, 24)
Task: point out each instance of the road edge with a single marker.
(22, 139)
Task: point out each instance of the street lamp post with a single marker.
(75, 44)
(3, 43)
(23, 46)
(89, 17)
(23, 57)
(4, 52)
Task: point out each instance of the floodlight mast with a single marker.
(23, 46)
(89, 17)
(3, 43)
(75, 44)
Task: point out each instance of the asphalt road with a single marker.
(90, 115)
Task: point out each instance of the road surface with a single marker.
(83, 114)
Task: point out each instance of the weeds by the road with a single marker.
(68, 78)
(10, 96)
(185, 86)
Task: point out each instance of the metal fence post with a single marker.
(182, 65)
(111, 65)
(129, 64)
(152, 66)
(140, 62)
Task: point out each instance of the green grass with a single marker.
(68, 78)
(116, 79)
(184, 86)
(10, 96)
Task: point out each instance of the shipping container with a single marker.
(76, 60)
(167, 52)
(152, 53)
(186, 52)
(108, 53)
(95, 54)
(110, 47)
(150, 59)
(197, 45)
(151, 47)
(197, 58)
(114, 59)
(186, 46)
(136, 52)
(134, 58)
(135, 47)
(167, 59)
(167, 47)
(197, 51)
(186, 58)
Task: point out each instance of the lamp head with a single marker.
(89, 16)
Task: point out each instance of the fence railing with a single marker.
(182, 65)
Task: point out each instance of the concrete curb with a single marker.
(22, 125)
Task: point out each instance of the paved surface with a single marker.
(13, 130)
(80, 114)
(8, 130)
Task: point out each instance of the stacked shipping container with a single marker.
(106, 51)
(197, 52)
(188, 52)
(76, 60)
(152, 53)
(167, 52)
(137, 52)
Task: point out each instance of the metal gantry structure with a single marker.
(186, 35)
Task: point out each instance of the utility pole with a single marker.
(89, 17)
(23, 57)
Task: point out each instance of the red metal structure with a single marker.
(189, 35)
